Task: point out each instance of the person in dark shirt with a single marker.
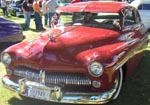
(26, 7)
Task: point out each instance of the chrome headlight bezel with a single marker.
(6, 59)
(95, 69)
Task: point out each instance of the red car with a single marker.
(84, 59)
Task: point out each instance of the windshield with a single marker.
(99, 20)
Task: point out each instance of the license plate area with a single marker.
(38, 93)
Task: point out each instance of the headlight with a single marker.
(95, 69)
(6, 59)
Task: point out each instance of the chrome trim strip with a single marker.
(132, 53)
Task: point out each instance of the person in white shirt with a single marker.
(45, 12)
(51, 6)
(4, 7)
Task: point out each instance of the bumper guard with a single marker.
(54, 93)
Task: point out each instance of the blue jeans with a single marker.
(51, 14)
(27, 16)
(46, 19)
(38, 20)
(5, 12)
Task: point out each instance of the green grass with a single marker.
(8, 97)
(135, 91)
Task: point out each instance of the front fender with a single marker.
(102, 53)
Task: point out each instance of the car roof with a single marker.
(146, 1)
(136, 3)
(94, 6)
(142, 1)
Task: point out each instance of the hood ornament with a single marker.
(42, 76)
(51, 37)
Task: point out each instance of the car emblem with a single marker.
(42, 77)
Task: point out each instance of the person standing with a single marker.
(4, 7)
(26, 7)
(37, 15)
(45, 12)
(51, 6)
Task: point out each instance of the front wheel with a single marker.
(118, 83)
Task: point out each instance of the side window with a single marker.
(144, 7)
(129, 18)
(138, 18)
(140, 7)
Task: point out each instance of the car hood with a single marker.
(58, 45)
(63, 37)
(8, 28)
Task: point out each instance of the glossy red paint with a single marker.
(64, 37)
(79, 35)
(129, 65)
(69, 49)
(101, 53)
(94, 6)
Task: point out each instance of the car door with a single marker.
(131, 25)
(134, 31)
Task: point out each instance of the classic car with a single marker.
(143, 7)
(83, 59)
(63, 2)
(10, 33)
(15, 8)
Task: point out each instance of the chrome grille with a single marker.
(73, 79)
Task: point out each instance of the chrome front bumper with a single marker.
(55, 93)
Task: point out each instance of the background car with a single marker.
(63, 2)
(10, 33)
(84, 59)
(15, 8)
(143, 7)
